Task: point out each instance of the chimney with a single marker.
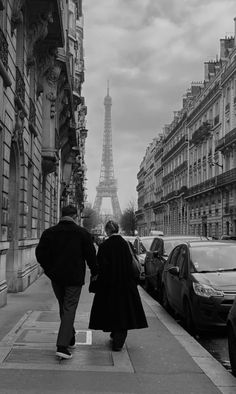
(226, 44)
(206, 71)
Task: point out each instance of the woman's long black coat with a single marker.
(117, 304)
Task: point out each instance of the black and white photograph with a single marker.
(117, 196)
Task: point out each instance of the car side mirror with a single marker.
(174, 271)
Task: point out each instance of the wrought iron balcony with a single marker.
(4, 59)
(32, 113)
(226, 141)
(226, 178)
(3, 50)
(203, 186)
(20, 86)
(180, 143)
(32, 118)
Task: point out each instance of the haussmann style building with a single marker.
(194, 179)
(42, 128)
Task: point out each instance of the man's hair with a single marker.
(112, 226)
(69, 210)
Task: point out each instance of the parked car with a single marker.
(228, 237)
(157, 255)
(156, 232)
(199, 283)
(129, 238)
(231, 330)
(141, 245)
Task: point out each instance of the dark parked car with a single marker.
(231, 329)
(141, 245)
(199, 283)
(156, 256)
(228, 237)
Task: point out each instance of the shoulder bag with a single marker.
(136, 268)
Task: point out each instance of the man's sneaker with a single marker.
(63, 352)
(72, 344)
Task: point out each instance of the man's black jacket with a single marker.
(62, 251)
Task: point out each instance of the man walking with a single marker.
(62, 252)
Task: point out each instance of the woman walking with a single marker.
(117, 306)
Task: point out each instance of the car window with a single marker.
(158, 245)
(174, 257)
(147, 243)
(136, 245)
(213, 257)
(182, 262)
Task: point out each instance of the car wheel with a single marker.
(188, 319)
(165, 301)
(232, 348)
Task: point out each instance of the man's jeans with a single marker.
(68, 298)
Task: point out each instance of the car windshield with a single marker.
(147, 243)
(214, 258)
(171, 244)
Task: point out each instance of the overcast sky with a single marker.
(151, 51)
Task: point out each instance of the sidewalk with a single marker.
(160, 359)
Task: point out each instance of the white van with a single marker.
(156, 232)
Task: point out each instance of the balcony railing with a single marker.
(226, 178)
(20, 86)
(227, 140)
(203, 186)
(3, 50)
(32, 113)
(180, 143)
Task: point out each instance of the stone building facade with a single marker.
(195, 162)
(42, 128)
(146, 190)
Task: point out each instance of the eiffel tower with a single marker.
(107, 186)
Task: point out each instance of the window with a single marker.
(174, 255)
(182, 262)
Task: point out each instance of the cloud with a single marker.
(150, 51)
